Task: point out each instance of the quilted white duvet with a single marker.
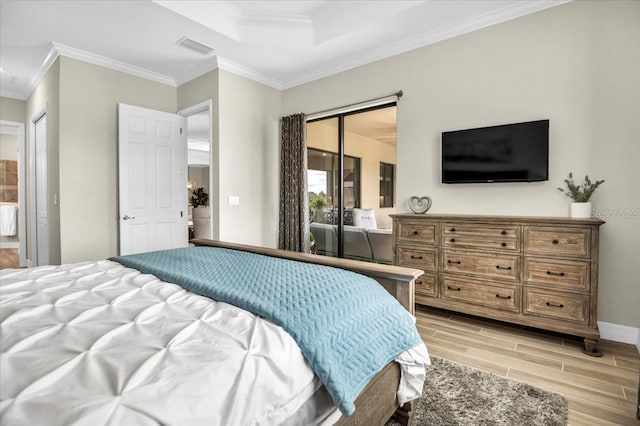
(100, 344)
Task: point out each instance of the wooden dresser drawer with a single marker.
(481, 236)
(507, 298)
(535, 271)
(553, 241)
(487, 265)
(427, 285)
(566, 274)
(416, 232)
(425, 259)
(556, 304)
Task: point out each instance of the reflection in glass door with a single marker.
(323, 180)
(351, 169)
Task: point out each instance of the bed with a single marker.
(107, 343)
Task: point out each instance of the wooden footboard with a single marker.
(398, 281)
(377, 402)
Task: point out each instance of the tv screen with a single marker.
(508, 153)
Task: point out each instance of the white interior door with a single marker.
(153, 183)
(42, 191)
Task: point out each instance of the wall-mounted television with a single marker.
(516, 152)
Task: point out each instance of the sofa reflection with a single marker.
(360, 243)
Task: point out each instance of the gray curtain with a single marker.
(294, 204)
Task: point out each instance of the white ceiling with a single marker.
(279, 43)
(378, 124)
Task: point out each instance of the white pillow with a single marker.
(365, 218)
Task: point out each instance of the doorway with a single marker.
(39, 233)
(13, 244)
(200, 185)
(351, 161)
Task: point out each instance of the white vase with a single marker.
(580, 210)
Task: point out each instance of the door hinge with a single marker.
(180, 213)
(180, 130)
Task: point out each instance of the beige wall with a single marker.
(194, 92)
(576, 64)
(13, 109)
(248, 160)
(322, 135)
(8, 147)
(613, 140)
(47, 94)
(89, 97)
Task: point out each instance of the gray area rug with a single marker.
(458, 395)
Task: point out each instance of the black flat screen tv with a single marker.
(508, 153)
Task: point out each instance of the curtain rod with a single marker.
(358, 105)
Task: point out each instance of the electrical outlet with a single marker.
(234, 200)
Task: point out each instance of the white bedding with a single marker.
(97, 343)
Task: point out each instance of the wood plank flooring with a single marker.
(9, 258)
(600, 391)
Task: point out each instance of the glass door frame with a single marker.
(341, 116)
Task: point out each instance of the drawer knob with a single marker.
(556, 274)
(415, 232)
(506, 268)
(453, 240)
(555, 241)
(416, 257)
(555, 305)
(452, 230)
(453, 288)
(499, 296)
(504, 233)
(503, 244)
(418, 282)
(457, 262)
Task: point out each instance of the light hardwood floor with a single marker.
(600, 391)
(9, 258)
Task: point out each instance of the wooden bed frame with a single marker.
(378, 402)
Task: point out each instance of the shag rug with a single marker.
(458, 395)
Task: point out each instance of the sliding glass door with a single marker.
(350, 186)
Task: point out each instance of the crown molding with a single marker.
(58, 49)
(249, 73)
(112, 64)
(470, 25)
(47, 62)
(489, 19)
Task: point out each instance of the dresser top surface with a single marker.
(501, 219)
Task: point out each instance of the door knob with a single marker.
(127, 217)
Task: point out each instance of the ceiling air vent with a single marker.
(194, 45)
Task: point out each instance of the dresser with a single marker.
(539, 272)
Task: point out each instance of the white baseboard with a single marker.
(620, 333)
(10, 244)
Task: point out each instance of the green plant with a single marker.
(199, 198)
(317, 201)
(580, 193)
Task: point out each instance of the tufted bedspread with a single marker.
(347, 326)
(98, 343)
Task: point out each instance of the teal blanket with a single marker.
(347, 326)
